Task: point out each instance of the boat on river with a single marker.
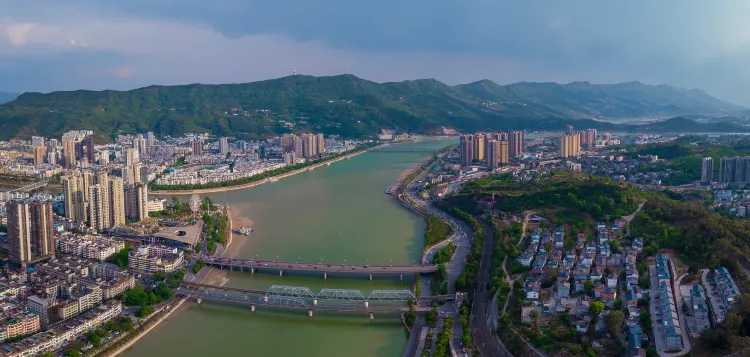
(243, 230)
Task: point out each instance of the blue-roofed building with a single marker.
(726, 286)
(662, 267)
(634, 340)
(699, 308)
(671, 329)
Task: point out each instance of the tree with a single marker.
(144, 311)
(588, 285)
(614, 321)
(596, 308)
(72, 353)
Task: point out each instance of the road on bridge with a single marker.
(242, 264)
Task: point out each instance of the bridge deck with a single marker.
(291, 303)
(192, 286)
(319, 267)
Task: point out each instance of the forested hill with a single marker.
(345, 105)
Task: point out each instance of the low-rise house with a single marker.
(635, 337)
(726, 286)
(612, 280)
(563, 290)
(525, 258)
(598, 289)
(609, 296)
(699, 308)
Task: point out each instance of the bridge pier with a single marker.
(370, 276)
(402, 276)
(325, 276)
(367, 304)
(252, 308)
(372, 316)
(310, 313)
(252, 270)
(198, 300)
(281, 272)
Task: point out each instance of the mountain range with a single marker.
(354, 107)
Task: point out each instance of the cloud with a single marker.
(26, 33)
(124, 72)
(687, 43)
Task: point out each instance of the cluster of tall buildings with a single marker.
(305, 145)
(30, 230)
(491, 149)
(102, 201)
(572, 141)
(733, 169)
(570, 145)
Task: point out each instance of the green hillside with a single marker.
(344, 105)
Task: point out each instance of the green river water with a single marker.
(334, 213)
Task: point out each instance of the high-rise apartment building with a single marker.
(467, 149)
(52, 158)
(42, 228)
(570, 145)
(515, 143)
(19, 232)
(223, 145)
(75, 204)
(136, 202)
(504, 152)
(707, 170)
(479, 141)
(69, 152)
(90, 151)
(309, 148)
(39, 153)
(320, 143)
(99, 213)
(734, 170)
(588, 138)
(37, 141)
(291, 143)
(139, 143)
(131, 157)
(116, 202)
(493, 153)
(150, 139)
(198, 147)
(569, 130)
(132, 173)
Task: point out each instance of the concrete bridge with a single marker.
(293, 297)
(404, 150)
(30, 187)
(254, 265)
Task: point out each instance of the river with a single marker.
(335, 214)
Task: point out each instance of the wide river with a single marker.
(335, 214)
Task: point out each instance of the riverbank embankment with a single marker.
(256, 183)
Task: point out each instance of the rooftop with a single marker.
(186, 234)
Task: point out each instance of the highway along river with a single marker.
(335, 214)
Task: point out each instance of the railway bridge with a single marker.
(295, 297)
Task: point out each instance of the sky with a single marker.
(49, 45)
